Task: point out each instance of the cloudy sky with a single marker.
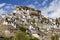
(49, 8)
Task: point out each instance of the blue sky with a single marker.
(27, 2)
(49, 8)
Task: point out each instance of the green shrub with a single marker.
(7, 38)
(55, 37)
(23, 29)
(21, 36)
(34, 38)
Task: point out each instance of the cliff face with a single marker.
(26, 17)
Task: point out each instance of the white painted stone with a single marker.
(3, 16)
(7, 32)
(28, 12)
(53, 22)
(5, 23)
(35, 35)
(10, 16)
(14, 26)
(36, 24)
(23, 16)
(15, 20)
(23, 19)
(59, 38)
(14, 11)
(24, 11)
(30, 27)
(54, 26)
(50, 20)
(48, 29)
(8, 19)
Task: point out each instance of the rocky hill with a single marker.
(28, 20)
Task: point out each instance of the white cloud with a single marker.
(36, 2)
(31, 5)
(10, 6)
(55, 7)
(1, 5)
(44, 2)
(2, 11)
(7, 8)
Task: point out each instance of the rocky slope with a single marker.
(29, 18)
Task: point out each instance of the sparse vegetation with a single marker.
(34, 38)
(21, 36)
(23, 29)
(55, 37)
(5, 38)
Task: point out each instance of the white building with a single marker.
(5, 23)
(36, 35)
